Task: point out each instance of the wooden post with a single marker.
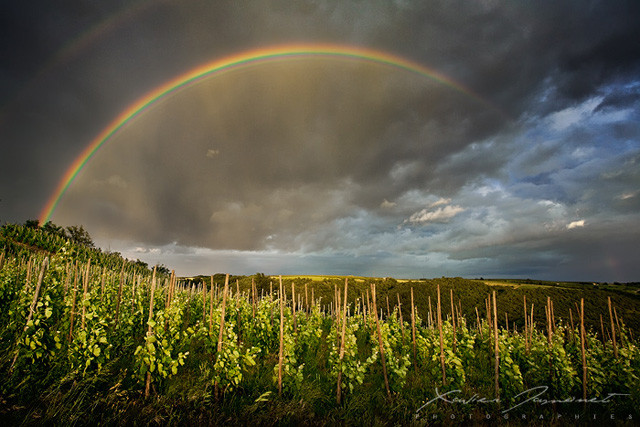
(618, 328)
(119, 293)
(444, 374)
(32, 307)
(104, 272)
(526, 329)
(430, 314)
(400, 314)
(73, 301)
(67, 279)
(584, 358)
(506, 321)
(478, 322)
(497, 347)
(613, 329)
(293, 305)
(133, 294)
(549, 321)
(204, 301)
(453, 321)
(602, 329)
(388, 309)
(344, 329)
(413, 332)
(572, 329)
(222, 315)
(211, 307)
(253, 297)
(489, 318)
(147, 387)
(531, 326)
(384, 365)
(85, 286)
(225, 292)
(28, 280)
(281, 351)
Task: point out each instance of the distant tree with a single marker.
(79, 235)
(32, 223)
(52, 228)
(142, 264)
(162, 269)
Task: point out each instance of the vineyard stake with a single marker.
(453, 321)
(478, 322)
(204, 301)
(211, 306)
(384, 365)
(602, 329)
(293, 305)
(388, 309)
(571, 319)
(280, 352)
(613, 330)
(489, 319)
(147, 386)
(531, 326)
(221, 332)
(66, 280)
(344, 329)
(400, 313)
(444, 375)
(584, 358)
(615, 315)
(28, 280)
(306, 299)
(119, 292)
(85, 285)
(526, 330)
(413, 332)
(32, 308)
(253, 298)
(549, 327)
(430, 314)
(104, 271)
(73, 301)
(553, 317)
(506, 321)
(497, 347)
(133, 294)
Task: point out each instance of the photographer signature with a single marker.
(533, 394)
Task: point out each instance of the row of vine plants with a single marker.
(83, 339)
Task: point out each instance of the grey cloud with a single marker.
(324, 161)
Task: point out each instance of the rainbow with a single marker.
(234, 62)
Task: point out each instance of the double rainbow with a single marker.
(234, 62)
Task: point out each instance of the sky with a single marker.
(509, 148)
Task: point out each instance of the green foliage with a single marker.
(102, 361)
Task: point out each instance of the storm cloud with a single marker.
(318, 165)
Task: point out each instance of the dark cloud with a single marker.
(334, 164)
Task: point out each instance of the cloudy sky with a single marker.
(527, 166)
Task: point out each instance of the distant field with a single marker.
(632, 288)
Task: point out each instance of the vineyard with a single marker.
(88, 337)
